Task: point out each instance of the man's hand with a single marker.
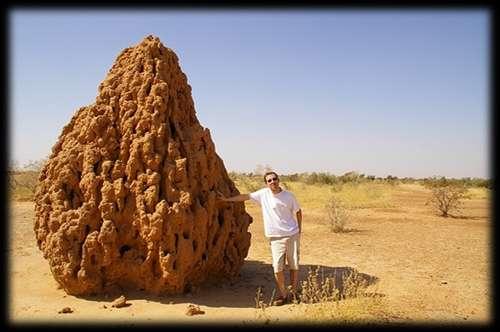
(238, 198)
(219, 198)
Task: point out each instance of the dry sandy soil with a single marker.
(428, 269)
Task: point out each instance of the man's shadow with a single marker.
(241, 292)
(256, 274)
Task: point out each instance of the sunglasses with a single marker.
(271, 180)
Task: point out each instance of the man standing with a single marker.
(282, 226)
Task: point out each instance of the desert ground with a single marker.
(420, 267)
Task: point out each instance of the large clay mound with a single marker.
(128, 196)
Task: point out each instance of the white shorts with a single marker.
(285, 246)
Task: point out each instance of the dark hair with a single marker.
(269, 173)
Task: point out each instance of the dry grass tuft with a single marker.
(318, 288)
(366, 195)
(479, 193)
(339, 298)
(338, 215)
(330, 299)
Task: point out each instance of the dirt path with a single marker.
(426, 268)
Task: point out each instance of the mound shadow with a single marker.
(241, 292)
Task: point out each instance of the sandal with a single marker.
(279, 301)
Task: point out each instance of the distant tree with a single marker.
(14, 166)
(326, 178)
(34, 165)
(23, 180)
(233, 175)
(350, 177)
(446, 196)
(393, 180)
(261, 170)
(407, 180)
(312, 178)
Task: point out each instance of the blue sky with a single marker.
(381, 92)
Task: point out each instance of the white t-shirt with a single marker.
(278, 212)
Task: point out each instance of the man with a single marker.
(282, 226)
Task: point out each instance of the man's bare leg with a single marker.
(294, 280)
(280, 281)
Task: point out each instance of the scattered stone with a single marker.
(65, 310)
(444, 282)
(194, 310)
(128, 196)
(120, 302)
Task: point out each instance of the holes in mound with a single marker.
(173, 131)
(220, 219)
(124, 249)
(75, 271)
(201, 200)
(148, 88)
(214, 241)
(187, 288)
(192, 207)
(75, 199)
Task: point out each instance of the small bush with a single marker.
(338, 215)
(447, 198)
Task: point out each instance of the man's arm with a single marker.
(299, 220)
(237, 198)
